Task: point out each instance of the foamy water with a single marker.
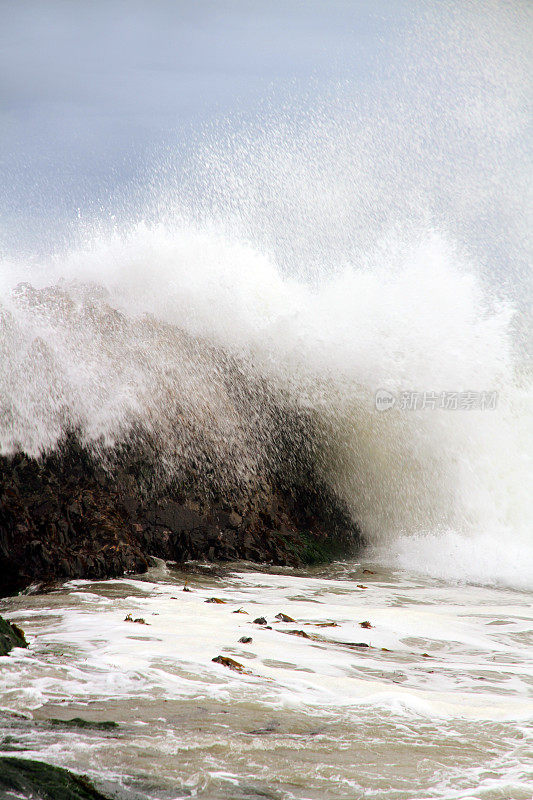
(434, 706)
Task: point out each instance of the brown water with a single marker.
(441, 712)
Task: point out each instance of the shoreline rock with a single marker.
(44, 781)
(64, 516)
(209, 458)
(10, 636)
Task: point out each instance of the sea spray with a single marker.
(104, 352)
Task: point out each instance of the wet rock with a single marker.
(284, 617)
(271, 728)
(75, 513)
(230, 663)
(36, 779)
(78, 722)
(10, 636)
(234, 520)
(323, 624)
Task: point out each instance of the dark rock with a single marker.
(284, 617)
(78, 722)
(75, 513)
(234, 520)
(260, 621)
(353, 644)
(245, 639)
(303, 634)
(230, 663)
(10, 636)
(26, 778)
(323, 624)
(138, 620)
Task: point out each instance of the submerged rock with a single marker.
(79, 722)
(323, 624)
(303, 634)
(10, 636)
(26, 778)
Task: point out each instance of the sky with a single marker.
(90, 90)
(427, 105)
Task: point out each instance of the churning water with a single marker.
(434, 707)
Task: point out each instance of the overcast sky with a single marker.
(88, 89)
(91, 95)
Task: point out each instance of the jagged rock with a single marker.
(138, 620)
(64, 516)
(230, 663)
(10, 636)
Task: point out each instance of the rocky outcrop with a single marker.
(156, 443)
(10, 636)
(21, 777)
(65, 516)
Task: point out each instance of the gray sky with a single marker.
(97, 98)
(88, 89)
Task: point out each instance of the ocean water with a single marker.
(432, 701)
(340, 199)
